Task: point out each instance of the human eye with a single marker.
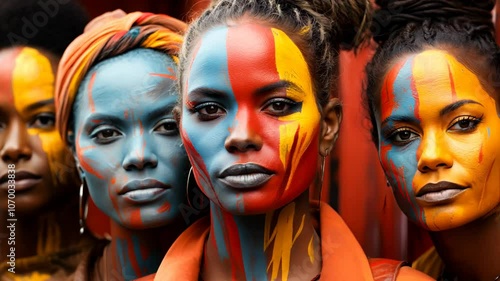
(402, 136)
(44, 120)
(105, 135)
(464, 124)
(209, 111)
(166, 127)
(281, 107)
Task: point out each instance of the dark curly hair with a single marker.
(320, 28)
(47, 24)
(464, 28)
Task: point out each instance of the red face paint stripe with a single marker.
(89, 90)
(388, 89)
(257, 43)
(452, 85)
(9, 62)
(232, 238)
(414, 92)
(289, 164)
(133, 261)
(83, 161)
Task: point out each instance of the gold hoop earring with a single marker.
(83, 207)
(322, 174)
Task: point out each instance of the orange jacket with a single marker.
(342, 256)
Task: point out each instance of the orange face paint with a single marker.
(439, 132)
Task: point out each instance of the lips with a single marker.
(439, 192)
(143, 191)
(23, 180)
(245, 176)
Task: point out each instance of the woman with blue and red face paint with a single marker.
(433, 97)
(115, 94)
(39, 237)
(256, 118)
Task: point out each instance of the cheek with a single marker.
(400, 166)
(60, 161)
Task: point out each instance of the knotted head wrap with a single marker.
(107, 36)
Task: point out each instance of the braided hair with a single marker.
(320, 28)
(462, 27)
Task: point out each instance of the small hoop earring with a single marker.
(187, 186)
(83, 207)
(388, 183)
(322, 173)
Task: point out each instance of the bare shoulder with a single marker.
(407, 273)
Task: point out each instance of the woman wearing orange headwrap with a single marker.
(114, 97)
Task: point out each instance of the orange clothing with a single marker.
(342, 256)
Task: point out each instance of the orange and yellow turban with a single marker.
(107, 36)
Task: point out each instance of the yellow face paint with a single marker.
(292, 66)
(440, 141)
(33, 92)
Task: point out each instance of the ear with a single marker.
(330, 126)
(71, 145)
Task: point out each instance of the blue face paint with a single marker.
(127, 142)
(400, 162)
(210, 69)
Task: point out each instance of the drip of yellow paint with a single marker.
(310, 250)
(282, 238)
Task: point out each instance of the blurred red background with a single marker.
(354, 183)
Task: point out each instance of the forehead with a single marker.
(129, 76)
(253, 52)
(433, 75)
(26, 76)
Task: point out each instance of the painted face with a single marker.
(127, 141)
(28, 139)
(249, 120)
(439, 132)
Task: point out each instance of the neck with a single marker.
(272, 246)
(134, 253)
(44, 232)
(472, 251)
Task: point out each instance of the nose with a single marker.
(16, 143)
(434, 154)
(243, 135)
(139, 155)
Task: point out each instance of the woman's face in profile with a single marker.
(250, 121)
(126, 139)
(44, 169)
(440, 136)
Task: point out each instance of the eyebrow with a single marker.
(39, 104)
(203, 91)
(278, 85)
(160, 111)
(102, 118)
(398, 118)
(454, 106)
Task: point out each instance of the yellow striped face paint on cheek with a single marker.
(441, 154)
(300, 131)
(33, 91)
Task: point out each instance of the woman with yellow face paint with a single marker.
(257, 119)
(39, 234)
(433, 99)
